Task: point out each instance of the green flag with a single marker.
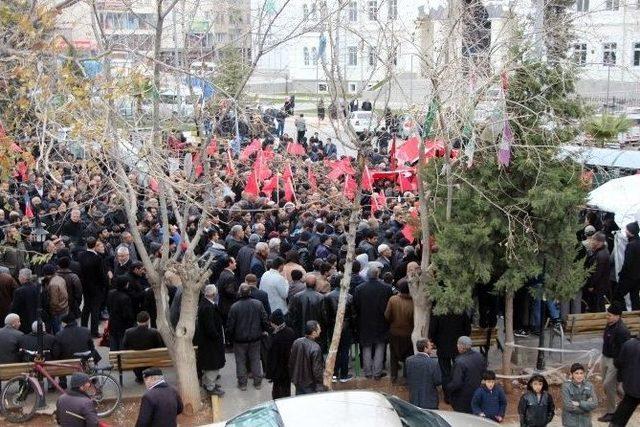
(429, 119)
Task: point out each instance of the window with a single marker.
(612, 5)
(305, 54)
(636, 54)
(220, 37)
(582, 5)
(373, 10)
(305, 11)
(265, 415)
(314, 55)
(372, 56)
(393, 9)
(353, 87)
(353, 11)
(352, 55)
(609, 53)
(322, 87)
(580, 53)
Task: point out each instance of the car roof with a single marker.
(352, 408)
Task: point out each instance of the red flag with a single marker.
(375, 207)
(252, 185)
(260, 168)
(230, 169)
(287, 173)
(23, 171)
(28, 211)
(407, 183)
(212, 149)
(311, 177)
(367, 181)
(153, 184)
(289, 191)
(407, 232)
(350, 187)
(393, 162)
(296, 149)
(335, 174)
(198, 169)
(381, 199)
(250, 149)
(270, 185)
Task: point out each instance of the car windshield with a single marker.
(412, 416)
(265, 415)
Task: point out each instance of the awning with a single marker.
(620, 196)
(605, 157)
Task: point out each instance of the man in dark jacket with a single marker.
(444, 331)
(615, 335)
(25, 300)
(367, 244)
(8, 286)
(258, 262)
(370, 302)
(466, 376)
(235, 240)
(245, 254)
(423, 376)
(278, 356)
(161, 404)
(629, 276)
(228, 287)
(245, 326)
(121, 313)
(74, 286)
(210, 340)
(628, 365)
(305, 363)
(597, 284)
(331, 300)
(94, 284)
(10, 337)
(141, 337)
(75, 408)
(30, 342)
(73, 339)
(258, 294)
(306, 305)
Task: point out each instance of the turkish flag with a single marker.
(212, 149)
(28, 211)
(407, 183)
(407, 232)
(287, 173)
(350, 187)
(230, 169)
(250, 149)
(199, 169)
(393, 162)
(153, 184)
(289, 192)
(296, 149)
(270, 185)
(367, 180)
(311, 177)
(252, 185)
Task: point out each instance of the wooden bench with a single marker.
(481, 337)
(594, 323)
(10, 370)
(128, 360)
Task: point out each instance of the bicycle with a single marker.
(23, 395)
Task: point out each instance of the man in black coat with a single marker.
(305, 362)
(444, 331)
(628, 365)
(210, 341)
(74, 285)
(94, 284)
(331, 301)
(466, 376)
(25, 300)
(629, 276)
(423, 376)
(141, 337)
(30, 342)
(306, 305)
(370, 302)
(75, 408)
(245, 254)
(597, 284)
(228, 287)
(258, 294)
(278, 356)
(245, 326)
(73, 339)
(161, 404)
(10, 337)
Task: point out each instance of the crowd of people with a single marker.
(274, 287)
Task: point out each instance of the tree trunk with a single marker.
(508, 338)
(330, 363)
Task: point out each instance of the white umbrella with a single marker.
(620, 196)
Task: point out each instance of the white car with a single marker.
(352, 408)
(364, 120)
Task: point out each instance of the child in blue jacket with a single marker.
(489, 400)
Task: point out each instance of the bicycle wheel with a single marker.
(105, 393)
(19, 400)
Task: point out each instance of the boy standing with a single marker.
(578, 398)
(536, 408)
(489, 400)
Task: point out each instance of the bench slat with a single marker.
(10, 370)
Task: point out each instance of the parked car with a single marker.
(352, 408)
(365, 120)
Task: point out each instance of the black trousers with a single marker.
(624, 411)
(91, 307)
